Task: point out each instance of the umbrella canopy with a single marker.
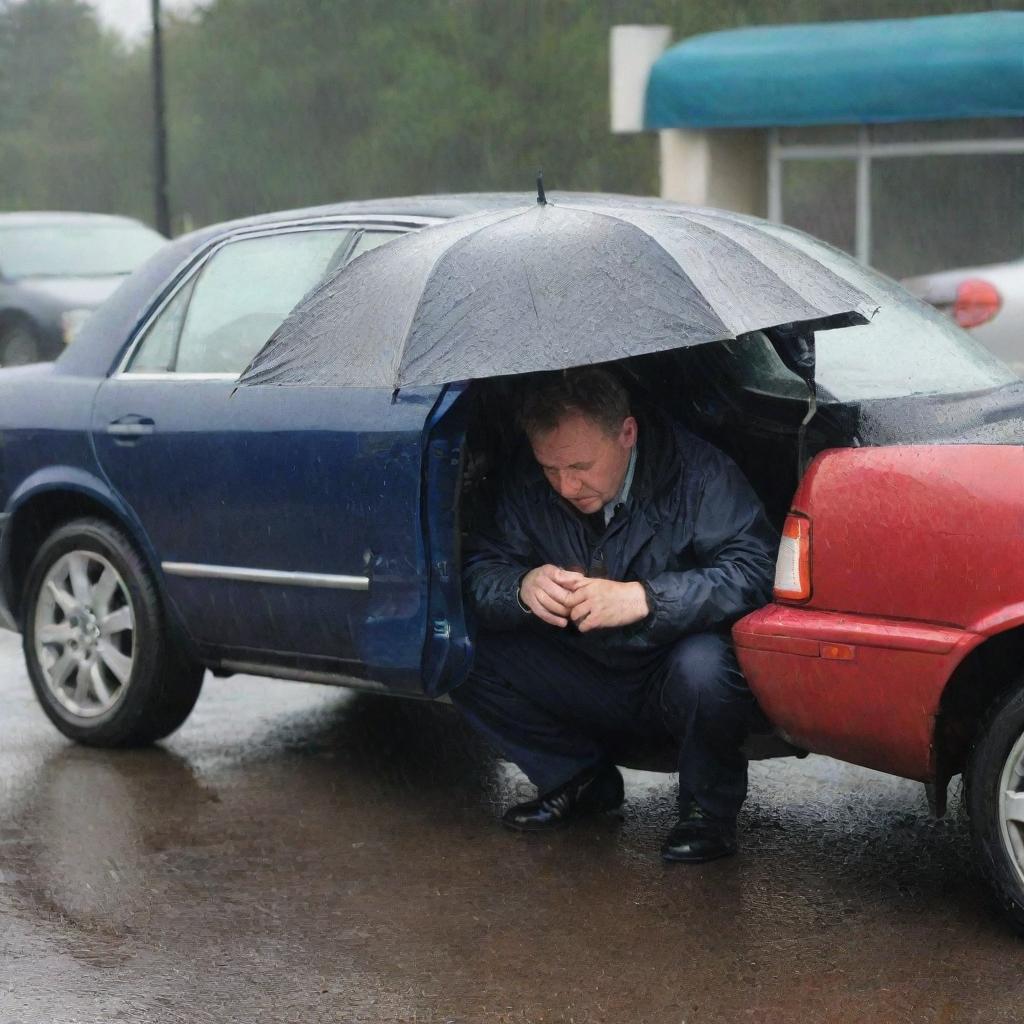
(544, 288)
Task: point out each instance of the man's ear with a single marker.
(628, 432)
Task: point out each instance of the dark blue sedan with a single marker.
(154, 524)
(157, 522)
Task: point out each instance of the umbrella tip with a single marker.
(541, 198)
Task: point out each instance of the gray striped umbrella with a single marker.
(546, 287)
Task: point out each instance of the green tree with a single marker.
(70, 116)
(274, 105)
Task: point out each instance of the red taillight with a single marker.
(793, 566)
(976, 303)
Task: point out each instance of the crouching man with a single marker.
(621, 553)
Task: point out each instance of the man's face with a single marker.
(583, 462)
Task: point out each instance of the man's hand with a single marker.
(604, 604)
(546, 591)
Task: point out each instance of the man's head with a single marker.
(581, 431)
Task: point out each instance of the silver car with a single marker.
(55, 269)
(988, 300)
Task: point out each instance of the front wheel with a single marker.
(101, 661)
(996, 802)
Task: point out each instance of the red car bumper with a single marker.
(861, 689)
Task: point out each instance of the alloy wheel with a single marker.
(85, 633)
(1011, 806)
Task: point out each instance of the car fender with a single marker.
(68, 478)
(64, 478)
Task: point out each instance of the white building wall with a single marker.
(634, 49)
(727, 169)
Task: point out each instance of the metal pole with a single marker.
(163, 208)
(862, 234)
(774, 177)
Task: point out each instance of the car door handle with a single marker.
(129, 428)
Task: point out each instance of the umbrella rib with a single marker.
(533, 298)
(622, 220)
(699, 218)
(400, 351)
(696, 219)
(756, 259)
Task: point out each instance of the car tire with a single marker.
(101, 660)
(19, 344)
(995, 802)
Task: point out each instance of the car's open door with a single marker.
(447, 652)
(411, 635)
(290, 529)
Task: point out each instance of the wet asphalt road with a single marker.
(297, 853)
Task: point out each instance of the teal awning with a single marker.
(851, 72)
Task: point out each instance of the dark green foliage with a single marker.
(272, 104)
(74, 113)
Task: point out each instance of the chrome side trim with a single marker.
(174, 375)
(193, 570)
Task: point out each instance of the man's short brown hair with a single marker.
(591, 390)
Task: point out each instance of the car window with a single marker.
(71, 249)
(156, 353)
(908, 348)
(239, 298)
(246, 291)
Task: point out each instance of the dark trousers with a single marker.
(556, 713)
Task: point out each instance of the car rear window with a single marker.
(907, 349)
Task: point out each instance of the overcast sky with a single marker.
(132, 17)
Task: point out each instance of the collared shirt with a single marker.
(610, 509)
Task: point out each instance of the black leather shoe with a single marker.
(596, 791)
(697, 837)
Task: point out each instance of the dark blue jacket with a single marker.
(692, 531)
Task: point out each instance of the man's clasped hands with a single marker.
(560, 596)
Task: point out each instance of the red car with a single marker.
(896, 636)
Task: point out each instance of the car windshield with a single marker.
(72, 249)
(908, 348)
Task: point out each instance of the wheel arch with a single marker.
(41, 332)
(48, 500)
(988, 670)
(15, 315)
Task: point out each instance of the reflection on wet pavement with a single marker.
(300, 853)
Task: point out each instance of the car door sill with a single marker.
(303, 675)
